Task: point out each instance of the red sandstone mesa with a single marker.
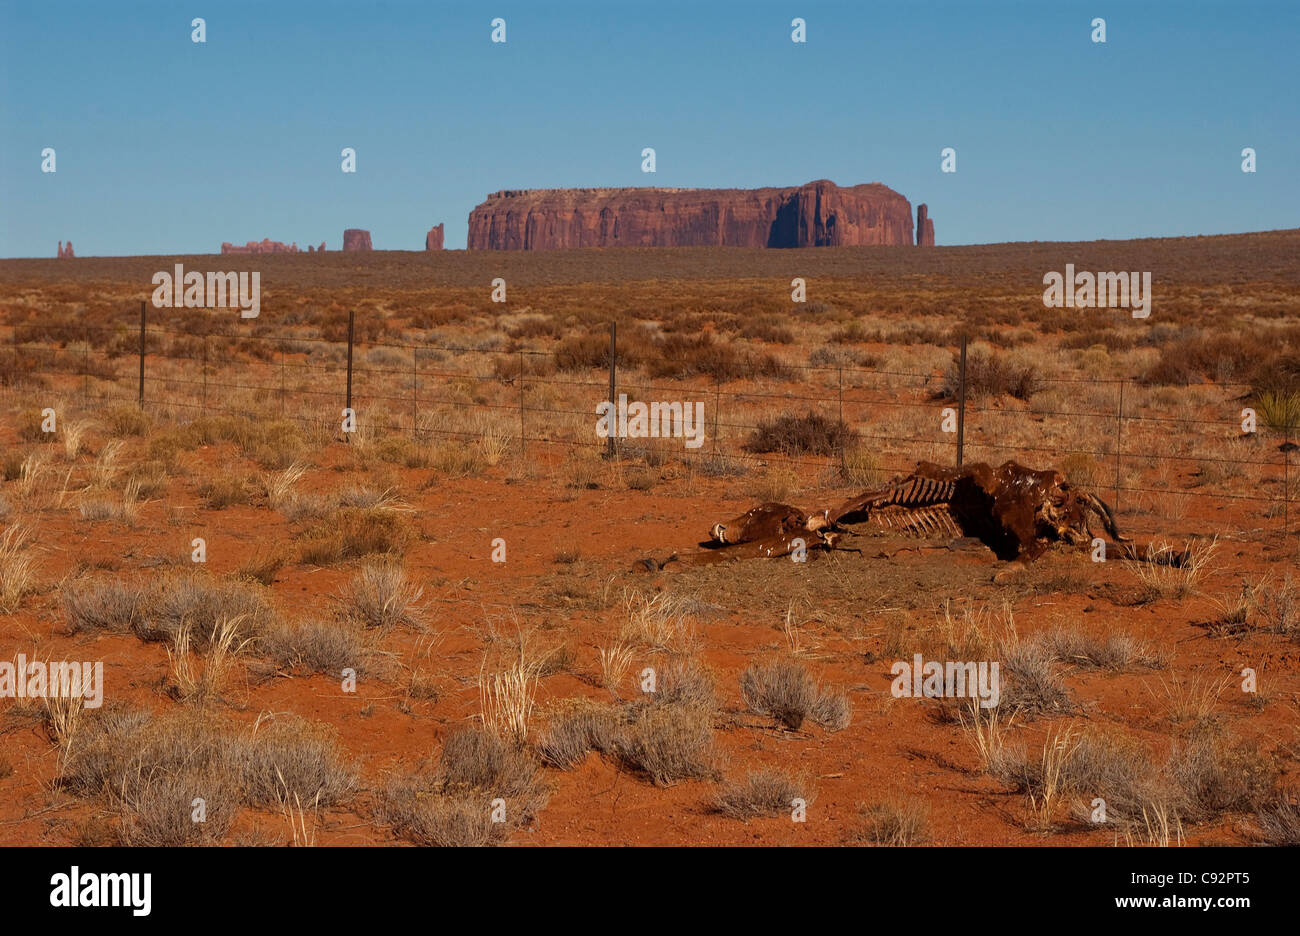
(819, 214)
(65, 253)
(924, 227)
(259, 247)
(356, 239)
(433, 240)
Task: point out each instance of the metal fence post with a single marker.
(961, 405)
(204, 409)
(844, 462)
(85, 371)
(415, 393)
(1286, 479)
(1119, 439)
(142, 306)
(613, 351)
(717, 413)
(523, 444)
(352, 315)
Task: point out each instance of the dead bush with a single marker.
(785, 691)
(809, 434)
(761, 793)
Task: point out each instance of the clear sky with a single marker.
(167, 146)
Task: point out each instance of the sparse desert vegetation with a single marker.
(466, 624)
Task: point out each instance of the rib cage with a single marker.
(916, 492)
(919, 521)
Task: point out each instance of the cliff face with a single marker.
(433, 240)
(819, 214)
(356, 239)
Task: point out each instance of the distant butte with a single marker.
(819, 214)
(433, 240)
(259, 247)
(356, 239)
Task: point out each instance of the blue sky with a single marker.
(167, 146)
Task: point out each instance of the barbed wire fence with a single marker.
(432, 390)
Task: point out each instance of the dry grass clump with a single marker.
(263, 566)
(278, 486)
(1113, 777)
(202, 603)
(681, 356)
(1082, 769)
(17, 568)
(576, 733)
(153, 769)
(1279, 822)
(127, 421)
(100, 604)
(615, 661)
(1114, 651)
(761, 793)
(1174, 573)
(1192, 700)
(74, 437)
(191, 807)
(990, 375)
(666, 742)
(379, 595)
(663, 621)
(226, 490)
(1214, 774)
(272, 443)
(482, 790)
(160, 609)
(98, 506)
(665, 736)
(796, 436)
(1034, 687)
(785, 691)
(1275, 606)
(353, 533)
(1194, 356)
(198, 677)
(894, 823)
(293, 758)
(327, 647)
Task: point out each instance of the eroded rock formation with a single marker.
(924, 227)
(65, 253)
(433, 240)
(356, 239)
(819, 214)
(259, 247)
